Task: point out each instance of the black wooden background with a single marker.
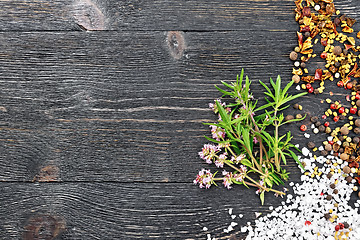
(102, 105)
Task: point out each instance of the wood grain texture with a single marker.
(194, 15)
(123, 211)
(119, 107)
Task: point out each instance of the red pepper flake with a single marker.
(357, 96)
(340, 84)
(354, 164)
(305, 29)
(321, 194)
(331, 93)
(341, 225)
(326, 124)
(348, 46)
(357, 179)
(311, 90)
(349, 85)
(333, 106)
(323, 116)
(306, 11)
(303, 128)
(337, 228)
(308, 86)
(318, 74)
(341, 110)
(300, 40)
(336, 118)
(307, 223)
(324, 42)
(331, 142)
(348, 98)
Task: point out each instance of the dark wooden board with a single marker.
(195, 15)
(108, 123)
(121, 113)
(122, 211)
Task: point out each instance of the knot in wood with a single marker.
(44, 227)
(88, 15)
(176, 44)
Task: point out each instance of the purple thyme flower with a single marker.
(221, 159)
(214, 107)
(208, 152)
(217, 132)
(238, 159)
(204, 178)
(227, 179)
(240, 175)
(261, 182)
(255, 140)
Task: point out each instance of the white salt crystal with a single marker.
(298, 87)
(230, 211)
(205, 229)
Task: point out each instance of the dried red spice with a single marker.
(318, 74)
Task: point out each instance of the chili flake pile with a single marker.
(319, 20)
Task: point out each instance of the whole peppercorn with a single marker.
(311, 145)
(356, 140)
(317, 124)
(321, 128)
(342, 117)
(357, 122)
(324, 152)
(357, 130)
(345, 52)
(307, 34)
(359, 194)
(346, 169)
(289, 117)
(296, 78)
(341, 110)
(337, 50)
(346, 225)
(303, 128)
(314, 119)
(337, 64)
(358, 113)
(344, 156)
(341, 226)
(358, 103)
(353, 110)
(332, 186)
(344, 130)
(336, 191)
(303, 64)
(296, 106)
(348, 179)
(341, 150)
(329, 175)
(340, 84)
(327, 216)
(294, 55)
(328, 147)
(328, 197)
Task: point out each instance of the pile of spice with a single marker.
(319, 20)
(319, 209)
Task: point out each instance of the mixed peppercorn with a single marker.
(319, 21)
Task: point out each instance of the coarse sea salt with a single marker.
(302, 216)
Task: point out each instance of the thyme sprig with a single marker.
(245, 143)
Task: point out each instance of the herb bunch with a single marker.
(242, 141)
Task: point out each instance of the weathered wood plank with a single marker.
(77, 110)
(123, 211)
(195, 15)
(126, 112)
